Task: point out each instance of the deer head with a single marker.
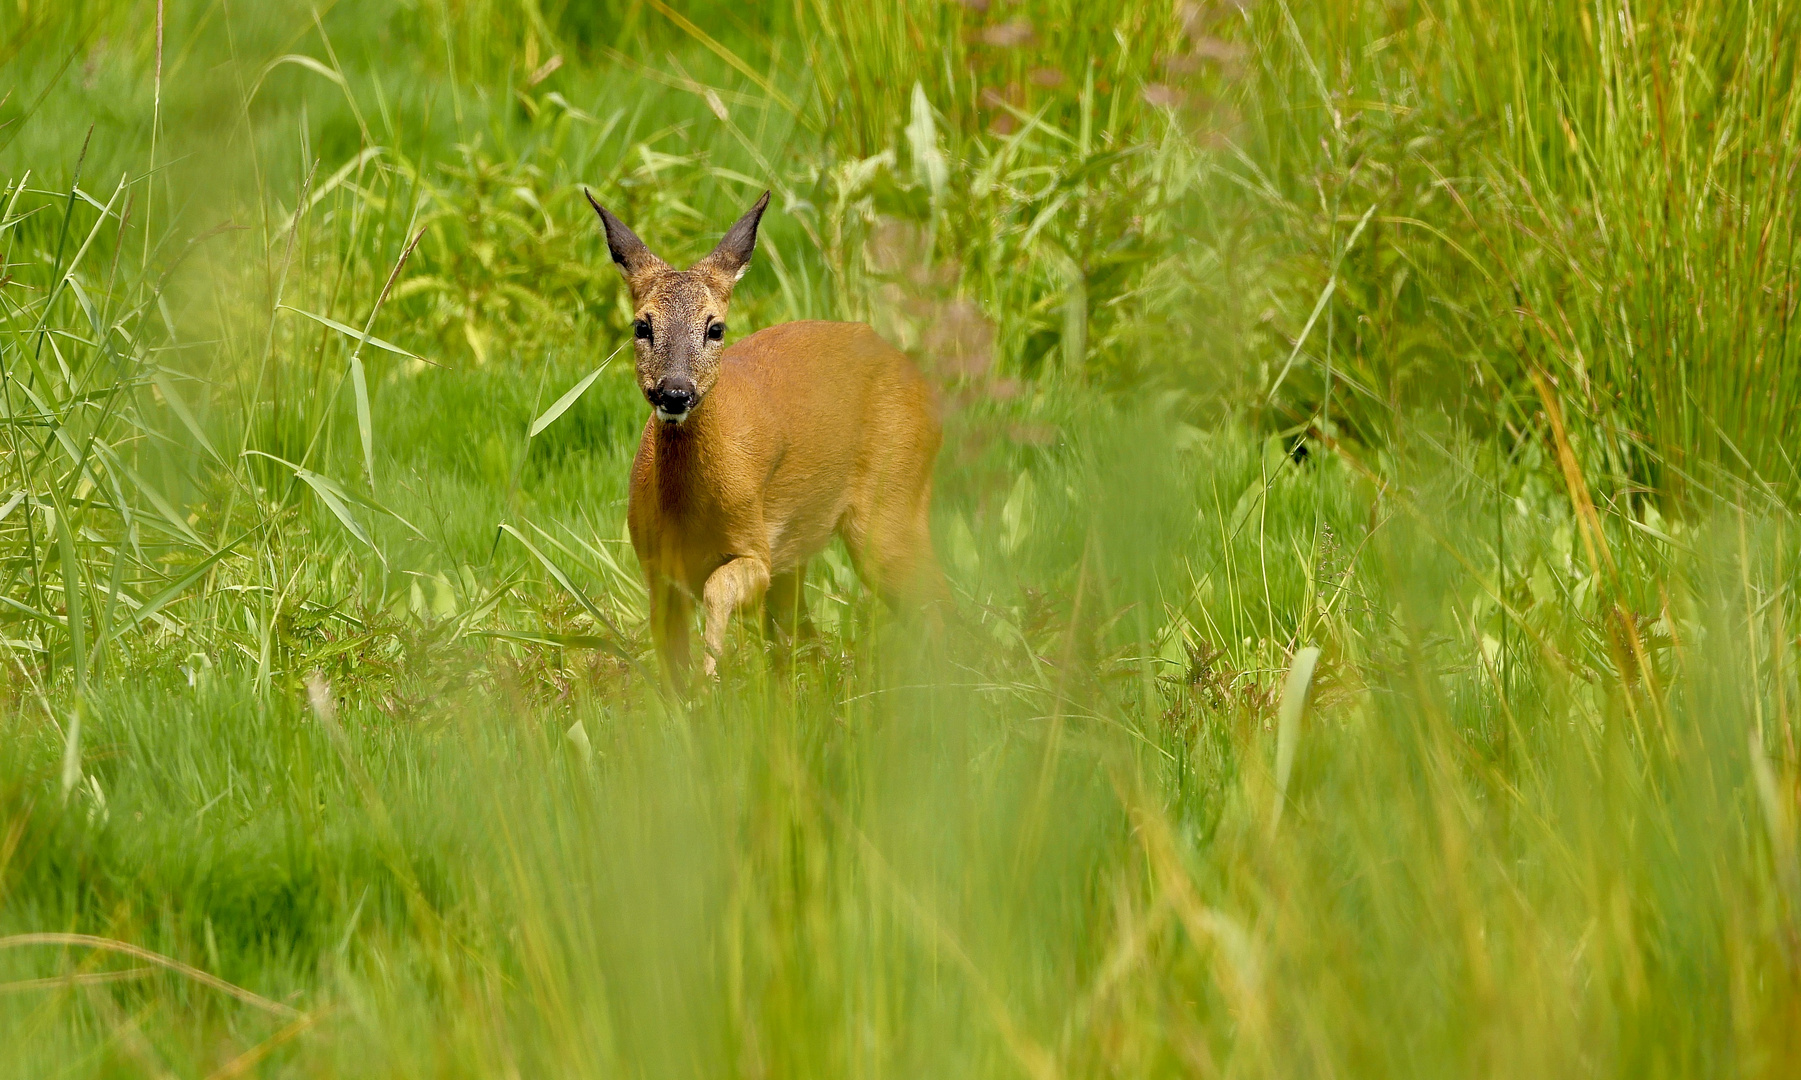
(678, 327)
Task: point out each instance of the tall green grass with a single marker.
(1396, 332)
(1595, 193)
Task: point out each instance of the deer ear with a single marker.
(623, 244)
(732, 257)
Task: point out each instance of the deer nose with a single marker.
(674, 395)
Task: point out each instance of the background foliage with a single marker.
(1452, 340)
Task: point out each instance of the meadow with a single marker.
(1368, 494)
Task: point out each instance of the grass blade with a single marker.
(562, 404)
(72, 596)
(179, 406)
(563, 580)
(728, 56)
(335, 498)
(356, 335)
(164, 598)
(1288, 723)
(365, 422)
(89, 941)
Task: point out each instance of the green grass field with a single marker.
(1455, 341)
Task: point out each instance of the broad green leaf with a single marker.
(1018, 513)
(333, 497)
(1288, 723)
(929, 165)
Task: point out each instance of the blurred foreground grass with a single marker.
(1455, 343)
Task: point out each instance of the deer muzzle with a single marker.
(672, 397)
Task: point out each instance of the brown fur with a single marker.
(800, 431)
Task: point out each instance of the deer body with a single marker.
(756, 456)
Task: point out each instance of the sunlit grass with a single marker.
(1414, 334)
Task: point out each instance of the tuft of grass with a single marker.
(1594, 195)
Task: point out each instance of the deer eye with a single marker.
(641, 329)
(716, 331)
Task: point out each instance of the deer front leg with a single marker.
(670, 614)
(739, 584)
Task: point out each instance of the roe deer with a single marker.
(753, 456)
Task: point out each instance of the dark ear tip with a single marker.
(595, 203)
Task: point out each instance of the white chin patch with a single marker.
(673, 417)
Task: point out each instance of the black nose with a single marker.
(674, 395)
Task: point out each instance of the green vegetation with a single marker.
(1456, 341)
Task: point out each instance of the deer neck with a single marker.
(685, 452)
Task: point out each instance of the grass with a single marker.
(1452, 342)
